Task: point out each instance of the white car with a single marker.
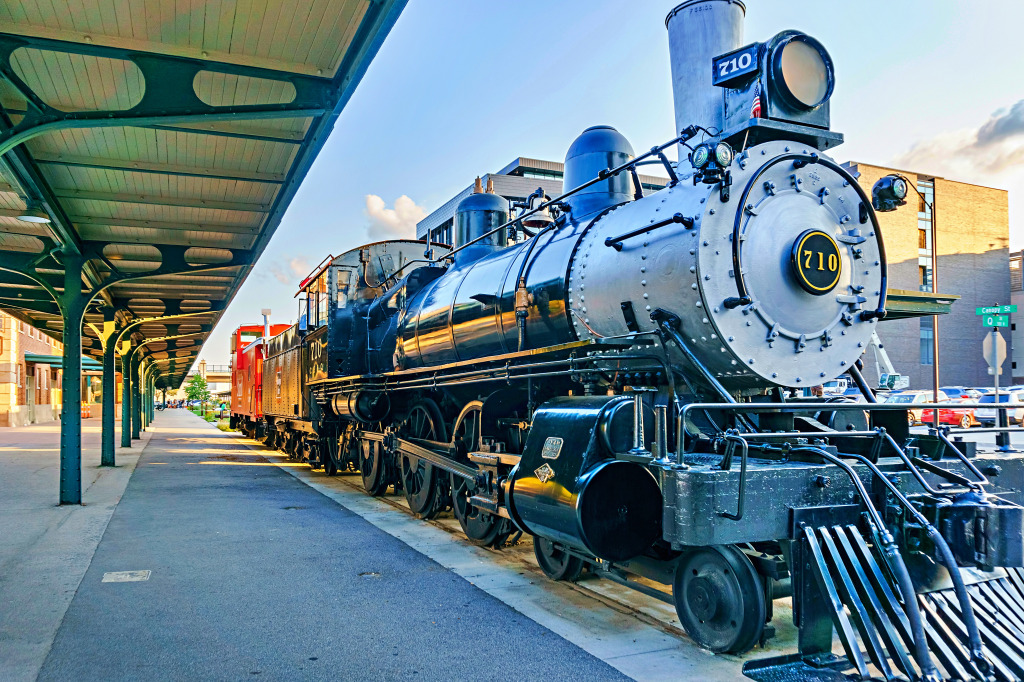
(1012, 400)
(915, 397)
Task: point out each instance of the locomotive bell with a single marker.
(540, 219)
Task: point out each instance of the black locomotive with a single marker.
(610, 373)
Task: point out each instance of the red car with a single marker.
(955, 416)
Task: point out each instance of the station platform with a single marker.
(200, 557)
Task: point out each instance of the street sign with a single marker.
(995, 310)
(995, 320)
(993, 348)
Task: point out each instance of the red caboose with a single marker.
(248, 348)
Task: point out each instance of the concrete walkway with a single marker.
(45, 549)
(217, 564)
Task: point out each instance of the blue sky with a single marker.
(461, 87)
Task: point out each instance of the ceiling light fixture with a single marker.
(34, 213)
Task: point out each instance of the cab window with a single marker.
(343, 278)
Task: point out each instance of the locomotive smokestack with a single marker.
(699, 31)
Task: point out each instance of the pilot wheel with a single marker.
(556, 562)
(720, 599)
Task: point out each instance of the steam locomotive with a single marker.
(612, 373)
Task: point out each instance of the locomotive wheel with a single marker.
(373, 468)
(720, 599)
(481, 527)
(424, 486)
(555, 561)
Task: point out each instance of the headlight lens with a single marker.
(699, 157)
(723, 154)
(899, 188)
(802, 70)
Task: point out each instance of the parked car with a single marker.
(956, 416)
(853, 393)
(1012, 400)
(963, 392)
(913, 398)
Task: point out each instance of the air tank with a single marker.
(596, 149)
(699, 31)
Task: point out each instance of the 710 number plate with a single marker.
(732, 66)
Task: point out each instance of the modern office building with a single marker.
(515, 182)
(971, 256)
(971, 225)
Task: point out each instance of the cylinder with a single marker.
(569, 490)
(596, 149)
(699, 31)
(367, 407)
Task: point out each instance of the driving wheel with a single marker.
(373, 467)
(481, 527)
(720, 599)
(425, 487)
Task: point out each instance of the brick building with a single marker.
(1016, 339)
(31, 377)
(972, 238)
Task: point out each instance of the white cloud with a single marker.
(393, 223)
(983, 154)
(290, 271)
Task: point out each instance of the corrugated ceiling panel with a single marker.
(20, 242)
(300, 35)
(76, 82)
(70, 178)
(169, 147)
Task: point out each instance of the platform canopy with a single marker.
(163, 141)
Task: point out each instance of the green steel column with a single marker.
(109, 399)
(145, 395)
(72, 308)
(152, 395)
(126, 397)
(136, 397)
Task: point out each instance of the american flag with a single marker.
(755, 106)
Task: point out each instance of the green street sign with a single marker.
(995, 310)
(996, 320)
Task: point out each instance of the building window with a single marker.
(443, 234)
(924, 273)
(542, 174)
(922, 240)
(927, 340)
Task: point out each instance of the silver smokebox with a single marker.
(699, 31)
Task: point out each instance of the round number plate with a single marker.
(816, 262)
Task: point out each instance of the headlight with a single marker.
(723, 154)
(899, 188)
(699, 157)
(802, 71)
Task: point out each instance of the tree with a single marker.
(196, 389)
